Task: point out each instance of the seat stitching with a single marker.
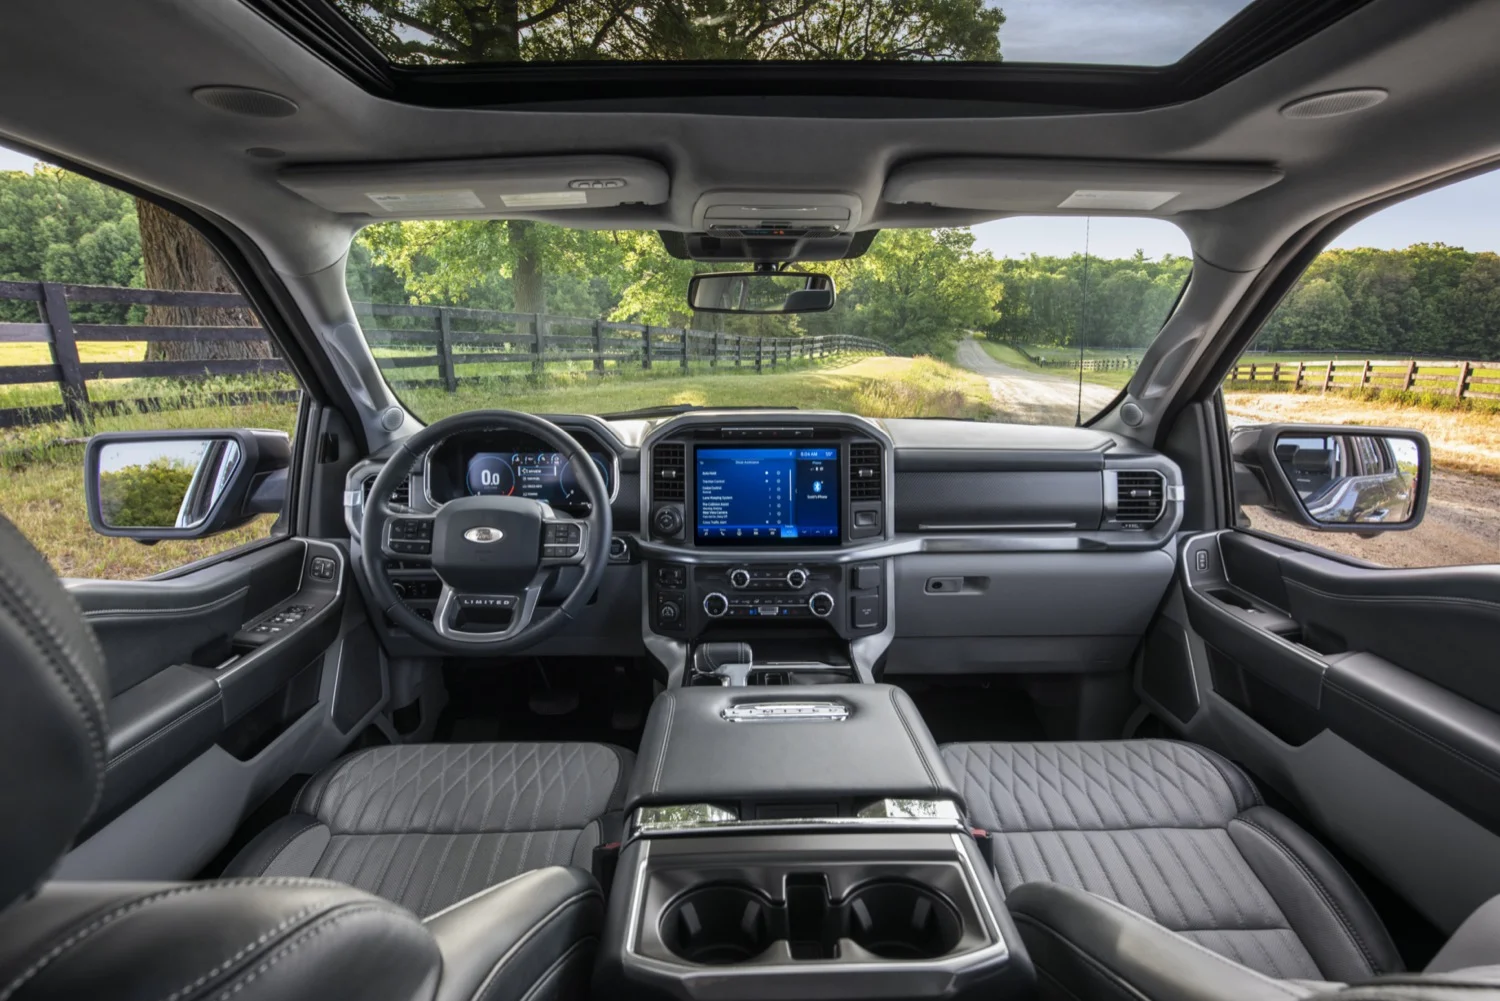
(1110, 976)
(543, 980)
(244, 951)
(116, 913)
(314, 930)
(1130, 869)
(312, 822)
(1232, 777)
(1318, 886)
(1166, 884)
(1197, 848)
(167, 728)
(531, 933)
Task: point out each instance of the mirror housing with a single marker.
(761, 292)
(190, 484)
(1334, 477)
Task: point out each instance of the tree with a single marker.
(175, 256)
(428, 32)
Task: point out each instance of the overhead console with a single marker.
(772, 226)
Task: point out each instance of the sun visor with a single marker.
(480, 188)
(1085, 187)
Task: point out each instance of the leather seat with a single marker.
(427, 825)
(532, 936)
(1179, 835)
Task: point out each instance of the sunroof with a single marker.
(1094, 32)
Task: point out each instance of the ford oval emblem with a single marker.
(484, 534)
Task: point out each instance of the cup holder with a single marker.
(896, 920)
(718, 925)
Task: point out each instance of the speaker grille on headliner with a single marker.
(246, 101)
(1338, 102)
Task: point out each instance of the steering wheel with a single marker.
(493, 554)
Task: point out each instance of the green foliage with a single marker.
(1043, 300)
(1427, 300)
(429, 32)
(58, 226)
(146, 495)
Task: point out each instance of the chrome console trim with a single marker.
(882, 815)
(807, 712)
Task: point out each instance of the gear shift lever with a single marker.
(728, 662)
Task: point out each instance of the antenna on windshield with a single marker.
(1083, 319)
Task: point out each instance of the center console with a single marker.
(768, 528)
(801, 843)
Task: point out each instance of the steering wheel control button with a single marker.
(411, 548)
(821, 604)
(715, 605)
(739, 579)
(406, 528)
(796, 579)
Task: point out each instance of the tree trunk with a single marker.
(177, 258)
(527, 277)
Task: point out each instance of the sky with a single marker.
(1466, 214)
(1127, 32)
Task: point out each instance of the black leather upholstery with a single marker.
(691, 754)
(1087, 947)
(290, 939)
(427, 825)
(52, 718)
(1177, 834)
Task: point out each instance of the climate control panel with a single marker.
(690, 600)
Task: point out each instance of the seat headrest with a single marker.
(52, 720)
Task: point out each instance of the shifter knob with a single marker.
(728, 662)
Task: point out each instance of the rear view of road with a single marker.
(1030, 397)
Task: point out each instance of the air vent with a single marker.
(668, 470)
(866, 482)
(401, 496)
(1141, 496)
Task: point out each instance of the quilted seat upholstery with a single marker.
(428, 825)
(1180, 835)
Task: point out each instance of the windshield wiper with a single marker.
(668, 410)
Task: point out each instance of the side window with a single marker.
(115, 314)
(1396, 324)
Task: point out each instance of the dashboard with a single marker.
(906, 545)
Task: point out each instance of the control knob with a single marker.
(796, 579)
(715, 605)
(669, 612)
(821, 604)
(740, 578)
(402, 591)
(668, 521)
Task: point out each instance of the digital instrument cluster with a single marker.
(513, 465)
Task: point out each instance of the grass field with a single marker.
(41, 467)
(1005, 354)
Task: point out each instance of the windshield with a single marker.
(1030, 320)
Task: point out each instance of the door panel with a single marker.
(1400, 663)
(201, 658)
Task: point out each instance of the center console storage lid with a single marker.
(786, 745)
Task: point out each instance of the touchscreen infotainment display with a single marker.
(767, 496)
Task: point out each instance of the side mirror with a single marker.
(1334, 478)
(775, 292)
(152, 485)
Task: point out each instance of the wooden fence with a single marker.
(449, 339)
(1118, 364)
(1453, 378)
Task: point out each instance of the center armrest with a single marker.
(826, 744)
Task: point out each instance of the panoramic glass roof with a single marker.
(1097, 32)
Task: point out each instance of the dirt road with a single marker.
(1030, 397)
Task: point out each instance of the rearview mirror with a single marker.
(1334, 478)
(151, 485)
(761, 292)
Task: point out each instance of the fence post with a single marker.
(599, 346)
(445, 352)
(685, 340)
(1301, 369)
(1411, 376)
(75, 391)
(1364, 375)
(1276, 375)
(1464, 369)
(538, 342)
(775, 350)
(646, 347)
(760, 353)
(739, 349)
(713, 359)
(1328, 377)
